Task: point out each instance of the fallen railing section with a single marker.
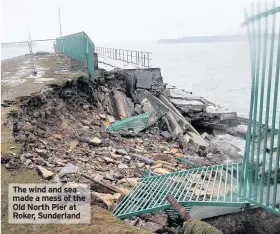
(138, 58)
(254, 181)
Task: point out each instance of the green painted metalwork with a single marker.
(134, 124)
(260, 174)
(78, 46)
(205, 186)
(256, 179)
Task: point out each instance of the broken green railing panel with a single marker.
(78, 46)
(185, 161)
(133, 124)
(205, 186)
(255, 180)
(260, 177)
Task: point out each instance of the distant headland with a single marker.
(198, 39)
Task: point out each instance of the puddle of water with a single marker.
(14, 82)
(42, 80)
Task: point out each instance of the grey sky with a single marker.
(121, 20)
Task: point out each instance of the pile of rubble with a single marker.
(125, 125)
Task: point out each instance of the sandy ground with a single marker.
(18, 81)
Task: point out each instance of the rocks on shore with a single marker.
(65, 130)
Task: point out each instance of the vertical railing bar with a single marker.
(218, 195)
(196, 183)
(182, 182)
(130, 194)
(171, 179)
(273, 122)
(257, 42)
(261, 102)
(231, 183)
(244, 170)
(205, 175)
(268, 102)
(274, 196)
(208, 184)
(138, 191)
(155, 191)
(190, 185)
(225, 187)
(214, 182)
(171, 186)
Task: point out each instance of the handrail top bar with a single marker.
(44, 40)
(14, 42)
(17, 42)
(261, 15)
(77, 34)
(125, 50)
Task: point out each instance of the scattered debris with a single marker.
(124, 125)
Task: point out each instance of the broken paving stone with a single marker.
(57, 136)
(69, 169)
(28, 127)
(109, 199)
(28, 163)
(174, 150)
(138, 140)
(115, 156)
(86, 122)
(98, 177)
(46, 174)
(121, 151)
(73, 144)
(111, 119)
(84, 160)
(108, 160)
(85, 107)
(161, 171)
(131, 181)
(32, 138)
(158, 165)
(143, 158)
(127, 158)
(166, 135)
(109, 177)
(41, 152)
(151, 226)
(162, 157)
(95, 141)
(102, 116)
(27, 155)
(140, 165)
(40, 161)
(122, 166)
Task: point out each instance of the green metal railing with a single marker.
(78, 46)
(260, 171)
(255, 180)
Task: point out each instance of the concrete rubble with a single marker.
(65, 136)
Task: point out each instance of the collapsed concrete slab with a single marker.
(198, 108)
(148, 78)
(122, 105)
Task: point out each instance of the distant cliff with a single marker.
(198, 39)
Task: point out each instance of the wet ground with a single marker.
(18, 78)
